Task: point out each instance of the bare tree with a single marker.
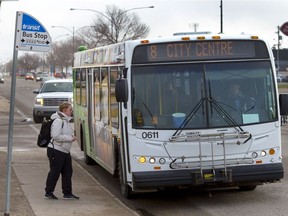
(9, 66)
(61, 55)
(116, 25)
(29, 62)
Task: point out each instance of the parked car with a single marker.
(1, 79)
(279, 78)
(61, 75)
(285, 79)
(29, 76)
(50, 96)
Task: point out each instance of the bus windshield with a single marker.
(203, 95)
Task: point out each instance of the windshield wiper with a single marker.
(150, 113)
(223, 113)
(189, 117)
(218, 108)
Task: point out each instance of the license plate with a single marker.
(208, 176)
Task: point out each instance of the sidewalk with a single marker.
(29, 170)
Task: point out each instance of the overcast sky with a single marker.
(169, 16)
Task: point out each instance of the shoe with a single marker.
(70, 197)
(50, 196)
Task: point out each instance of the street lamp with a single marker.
(73, 39)
(102, 14)
(95, 11)
(137, 8)
(108, 18)
(59, 36)
(73, 35)
(71, 31)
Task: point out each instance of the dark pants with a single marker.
(60, 163)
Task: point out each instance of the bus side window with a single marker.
(104, 95)
(83, 87)
(113, 102)
(78, 87)
(97, 93)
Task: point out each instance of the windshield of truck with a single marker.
(57, 87)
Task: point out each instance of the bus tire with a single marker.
(116, 156)
(247, 188)
(126, 190)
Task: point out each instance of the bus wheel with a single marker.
(125, 189)
(247, 188)
(116, 155)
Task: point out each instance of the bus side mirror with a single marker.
(283, 100)
(121, 90)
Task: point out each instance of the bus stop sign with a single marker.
(31, 34)
(284, 28)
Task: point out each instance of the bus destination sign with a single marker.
(196, 50)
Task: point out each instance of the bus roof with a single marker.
(114, 54)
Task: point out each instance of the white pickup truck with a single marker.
(50, 96)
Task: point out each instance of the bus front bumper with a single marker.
(231, 176)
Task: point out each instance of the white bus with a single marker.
(160, 113)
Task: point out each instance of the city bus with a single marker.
(158, 114)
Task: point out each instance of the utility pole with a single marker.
(279, 37)
(221, 17)
(194, 25)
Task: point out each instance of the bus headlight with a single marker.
(152, 160)
(263, 153)
(142, 159)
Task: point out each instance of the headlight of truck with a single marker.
(39, 101)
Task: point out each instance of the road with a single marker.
(269, 199)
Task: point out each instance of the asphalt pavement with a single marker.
(29, 170)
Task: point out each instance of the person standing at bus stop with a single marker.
(58, 152)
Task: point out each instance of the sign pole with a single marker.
(11, 124)
(30, 35)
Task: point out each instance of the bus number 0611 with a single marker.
(150, 135)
